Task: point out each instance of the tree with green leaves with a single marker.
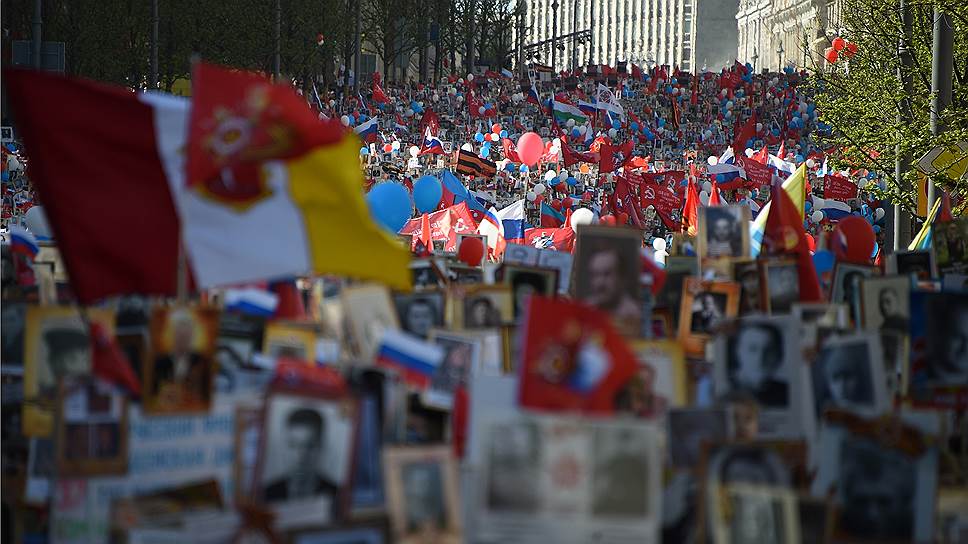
(862, 97)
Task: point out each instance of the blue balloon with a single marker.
(669, 89)
(571, 181)
(807, 206)
(364, 151)
(488, 106)
(12, 148)
(661, 122)
(616, 125)
(575, 133)
(524, 168)
(649, 136)
(634, 125)
(877, 229)
(720, 178)
(427, 193)
(479, 137)
(799, 159)
(504, 133)
(390, 205)
(874, 253)
(823, 261)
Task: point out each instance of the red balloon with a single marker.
(538, 200)
(567, 202)
(839, 43)
(853, 240)
(623, 218)
(830, 54)
(811, 243)
(556, 204)
(530, 148)
(496, 128)
(851, 49)
(471, 251)
(607, 220)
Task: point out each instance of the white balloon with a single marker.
(414, 150)
(570, 123)
(540, 188)
(712, 160)
(345, 120)
(470, 77)
(395, 145)
(729, 104)
(660, 256)
(460, 81)
(563, 175)
(481, 110)
(36, 221)
(467, 147)
(495, 137)
(879, 214)
(452, 91)
(582, 216)
(817, 216)
(811, 163)
(862, 182)
(550, 175)
(581, 129)
(612, 133)
(531, 196)
(707, 186)
(759, 127)
(749, 152)
(659, 244)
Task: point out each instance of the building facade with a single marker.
(778, 33)
(674, 32)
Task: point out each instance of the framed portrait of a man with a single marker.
(422, 494)
(759, 357)
(462, 358)
(57, 345)
(525, 281)
(884, 485)
(724, 232)
(179, 375)
(659, 383)
(421, 311)
(607, 266)
(486, 307)
(848, 374)
(885, 303)
(756, 514)
(307, 452)
(938, 372)
(780, 285)
(846, 288)
(705, 306)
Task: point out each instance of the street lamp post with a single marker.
(779, 54)
(554, 34)
(755, 56)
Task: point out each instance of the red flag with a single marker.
(783, 234)
(762, 156)
(240, 120)
(690, 212)
(573, 359)
(426, 239)
(109, 363)
(510, 150)
(571, 157)
(714, 195)
(290, 305)
(837, 187)
(944, 214)
(781, 153)
(613, 157)
(562, 239)
(744, 134)
(378, 94)
(429, 119)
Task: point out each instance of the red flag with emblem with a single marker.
(613, 157)
(573, 359)
(558, 239)
(241, 119)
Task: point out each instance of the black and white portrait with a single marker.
(847, 286)
(425, 275)
(877, 491)
(64, 350)
(521, 254)
(886, 304)
(423, 491)
(747, 464)
(708, 309)
(723, 231)
(755, 363)
(607, 269)
(525, 282)
(846, 375)
(514, 467)
(782, 285)
(487, 307)
(690, 429)
(756, 517)
(946, 338)
(307, 449)
(747, 275)
(621, 472)
(419, 312)
(462, 355)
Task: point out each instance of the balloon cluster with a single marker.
(839, 47)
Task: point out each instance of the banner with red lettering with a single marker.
(667, 204)
(838, 188)
(756, 173)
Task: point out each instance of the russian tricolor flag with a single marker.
(23, 241)
(431, 144)
(533, 95)
(367, 131)
(415, 359)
